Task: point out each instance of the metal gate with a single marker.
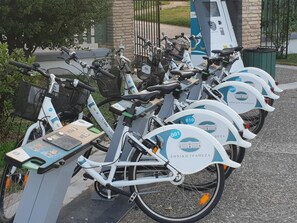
(146, 23)
(276, 23)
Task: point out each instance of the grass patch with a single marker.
(179, 16)
(290, 60)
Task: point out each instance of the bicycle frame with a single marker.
(179, 133)
(88, 166)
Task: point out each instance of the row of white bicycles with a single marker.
(171, 140)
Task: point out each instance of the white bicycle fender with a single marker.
(241, 97)
(263, 74)
(254, 81)
(188, 148)
(213, 123)
(225, 111)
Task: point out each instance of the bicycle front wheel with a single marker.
(171, 202)
(13, 183)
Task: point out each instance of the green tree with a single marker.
(9, 80)
(29, 24)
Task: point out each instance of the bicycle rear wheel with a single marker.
(255, 119)
(232, 152)
(170, 202)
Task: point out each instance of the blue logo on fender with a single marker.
(50, 109)
(238, 79)
(188, 120)
(232, 89)
(189, 145)
(175, 134)
(208, 126)
(250, 83)
(241, 96)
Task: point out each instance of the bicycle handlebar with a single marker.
(103, 72)
(36, 67)
(96, 67)
(140, 37)
(146, 41)
(66, 50)
(72, 54)
(20, 65)
(82, 85)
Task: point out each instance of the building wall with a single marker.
(120, 26)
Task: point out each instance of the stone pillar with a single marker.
(251, 23)
(246, 20)
(120, 26)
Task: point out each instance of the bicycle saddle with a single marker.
(142, 96)
(212, 60)
(227, 51)
(165, 88)
(183, 74)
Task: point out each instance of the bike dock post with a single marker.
(51, 160)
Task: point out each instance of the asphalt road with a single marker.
(263, 189)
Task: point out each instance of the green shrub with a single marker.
(9, 80)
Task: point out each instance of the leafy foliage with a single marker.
(9, 79)
(28, 24)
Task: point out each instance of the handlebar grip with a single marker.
(20, 65)
(65, 49)
(105, 72)
(85, 86)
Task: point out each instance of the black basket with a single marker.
(109, 87)
(149, 70)
(70, 99)
(28, 100)
(144, 67)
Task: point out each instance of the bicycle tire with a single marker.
(165, 203)
(270, 102)
(12, 186)
(233, 155)
(240, 155)
(255, 119)
(112, 121)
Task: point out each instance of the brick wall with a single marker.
(251, 23)
(120, 26)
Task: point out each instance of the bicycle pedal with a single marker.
(87, 176)
(132, 197)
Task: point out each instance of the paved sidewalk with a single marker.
(262, 190)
